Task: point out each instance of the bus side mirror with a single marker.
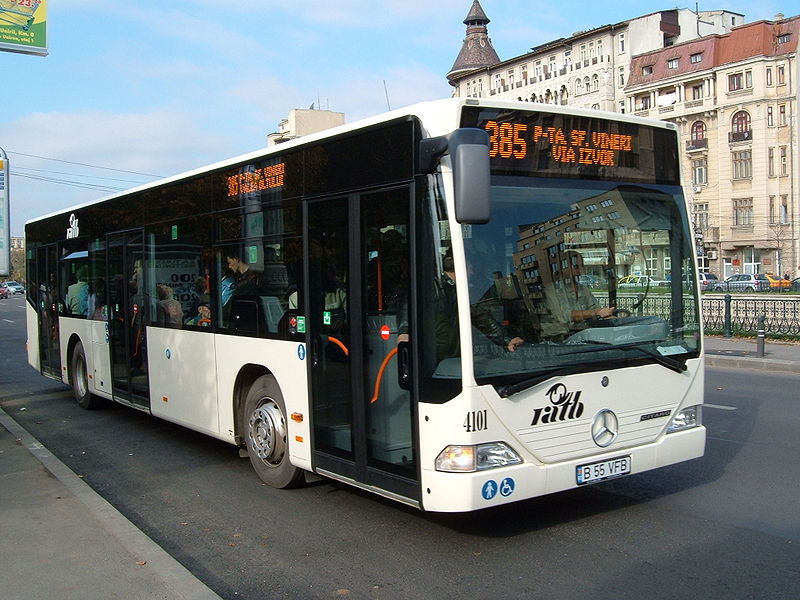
(469, 155)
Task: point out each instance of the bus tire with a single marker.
(265, 428)
(80, 380)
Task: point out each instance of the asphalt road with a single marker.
(724, 526)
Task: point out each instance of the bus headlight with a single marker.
(685, 419)
(467, 459)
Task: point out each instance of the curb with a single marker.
(755, 363)
(173, 574)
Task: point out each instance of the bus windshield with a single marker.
(580, 274)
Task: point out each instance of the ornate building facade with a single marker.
(731, 88)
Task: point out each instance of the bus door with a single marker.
(357, 282)
(47, 310)
(127, 310)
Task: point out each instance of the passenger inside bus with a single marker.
(169, 310)
(77, 298)
(447, 337)
(203, 316)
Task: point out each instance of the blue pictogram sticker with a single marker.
(301, 352)
(489, 490)
(507, 487)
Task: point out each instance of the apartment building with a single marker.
(734, 98)
(588, 69)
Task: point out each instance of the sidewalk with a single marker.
(60, 539)
(742, 353)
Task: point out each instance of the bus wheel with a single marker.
(80, 380)
(265, 432)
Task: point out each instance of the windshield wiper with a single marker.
(665, 361)
(504, 391)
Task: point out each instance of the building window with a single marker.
(595, 82)
(784, 162)
(600, 48)
(742, 211)
(770, 117)
(651, 261)
(701, 216)
(782, 115)
(696, 58)
(772, 209)
(621, 39)
(621, 72)
(739, 81)
(699, 171)
(741, 122)
(768, 77)
(784, 210)
(584, 53)
(647, 70)
(672, 63)
(784, 38)
(697, 92)
(771, 162)
(698, 131)
(742, 164)
(578, 86)
(643, 103)
(781, 72)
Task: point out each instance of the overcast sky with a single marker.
(159, 87)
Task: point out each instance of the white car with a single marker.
(14, 287)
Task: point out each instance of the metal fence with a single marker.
(782, 315)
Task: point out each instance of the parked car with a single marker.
(778, 283)
(744, 282)
(3, 290)
(796, 284)
(638, 281)
(707, 281)
(14, 287)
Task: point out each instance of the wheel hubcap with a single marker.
(267, 433)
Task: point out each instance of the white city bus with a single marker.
(424, 304)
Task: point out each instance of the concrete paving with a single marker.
(59, 539)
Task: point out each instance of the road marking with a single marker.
(7, 321)
(719, 406)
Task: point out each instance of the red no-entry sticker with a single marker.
(385, 332)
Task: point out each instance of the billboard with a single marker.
(23, 26)
(5, 227)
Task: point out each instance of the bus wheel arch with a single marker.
(263, 429)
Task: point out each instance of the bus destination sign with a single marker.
(575, 146)
(257, 180)
(536, 143)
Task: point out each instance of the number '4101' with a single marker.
(476, 421)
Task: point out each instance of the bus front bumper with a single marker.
(462, 492)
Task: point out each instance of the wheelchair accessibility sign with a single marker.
(491, 488)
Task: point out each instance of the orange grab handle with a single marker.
(376, 391)
(339, 343)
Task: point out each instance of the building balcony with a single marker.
(700, 144)
(740, 136)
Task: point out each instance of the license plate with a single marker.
(606, 469)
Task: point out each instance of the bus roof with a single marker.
(439, 117)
